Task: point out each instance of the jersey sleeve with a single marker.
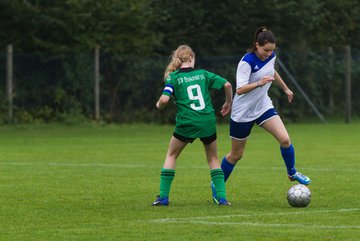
(169, 88)
(242, 74)
(216, 81)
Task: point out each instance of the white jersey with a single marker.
(251, 105)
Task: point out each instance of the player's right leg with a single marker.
(216, 173)
(168, 171)
(229, 161)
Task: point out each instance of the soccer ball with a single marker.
(299, 196)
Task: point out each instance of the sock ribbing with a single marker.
(166, 178)
(217, 176)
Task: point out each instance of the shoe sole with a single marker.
(159, 204)
(293, 179)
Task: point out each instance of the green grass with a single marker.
(97, 182)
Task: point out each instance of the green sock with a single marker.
(166, 177)
(217, 176)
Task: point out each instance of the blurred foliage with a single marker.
(54, 42)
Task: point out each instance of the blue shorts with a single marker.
(241, 130)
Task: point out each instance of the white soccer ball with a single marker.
(299, 196)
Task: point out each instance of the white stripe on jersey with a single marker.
(169, 89)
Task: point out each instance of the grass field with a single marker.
(97, 182)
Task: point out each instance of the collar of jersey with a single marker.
(188, 69)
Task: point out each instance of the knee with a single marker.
(234, 157)
(285, 141)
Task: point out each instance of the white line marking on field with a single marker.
(264, 214)
(202, 220)
(119, 165)
(110, 165)
(63, 164)
(18, 163)
(95, 165)
(297, 225)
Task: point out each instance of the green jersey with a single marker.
(190, 88)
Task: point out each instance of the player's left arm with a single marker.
(225, 109)
(218, 82)
(279, 81)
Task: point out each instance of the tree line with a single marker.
(54, 43)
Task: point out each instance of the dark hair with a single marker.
(262, 36)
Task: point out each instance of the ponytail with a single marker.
(182, 54)
(262, 36)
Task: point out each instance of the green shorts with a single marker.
(196, 129)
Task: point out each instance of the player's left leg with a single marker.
(276, 127)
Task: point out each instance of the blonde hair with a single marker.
(182, 54)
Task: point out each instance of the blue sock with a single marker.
(227, 168)
(288, 155)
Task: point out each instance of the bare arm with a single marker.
(279, 81)
(251, 86)
(228, 101)
(162, 102)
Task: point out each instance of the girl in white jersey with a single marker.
(251, 104)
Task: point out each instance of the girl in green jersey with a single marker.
(195, 118)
